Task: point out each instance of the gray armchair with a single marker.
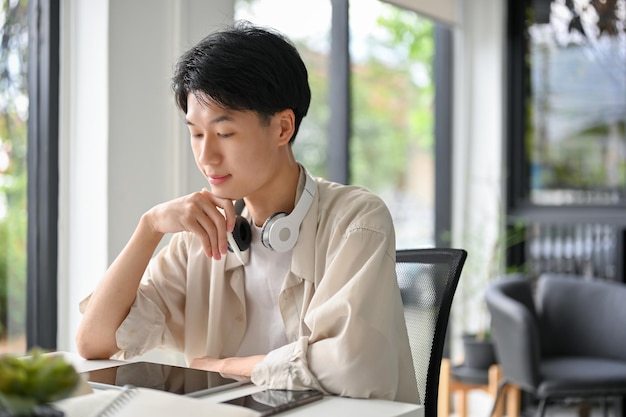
(565, 340)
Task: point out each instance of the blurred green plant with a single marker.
(13, 147)
(34, 379)
(393, 101)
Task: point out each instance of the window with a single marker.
(567, 135)
(309, 28)
(392, 143)
(13, 173)
(577, 103)
(391, 146)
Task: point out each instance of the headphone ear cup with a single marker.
(242, 234)
(279, 232)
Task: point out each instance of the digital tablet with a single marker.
(175, 379)
(271, 401)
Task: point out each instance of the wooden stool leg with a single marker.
(513, 401)
(495, 376)
(584, 409)
(461, 403)
(443, 402)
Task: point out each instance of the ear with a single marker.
(286, 121)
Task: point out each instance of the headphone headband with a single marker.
(280, 231)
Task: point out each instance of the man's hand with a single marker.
(238, 368)
(199, 213)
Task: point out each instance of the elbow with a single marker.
(90, 346)
(85, 349)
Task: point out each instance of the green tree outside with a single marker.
(13, 148)
(393, 114)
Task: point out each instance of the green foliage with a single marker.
(411, 32)
(392, 111)
(35, 379)
(13, 181)
(310, 146)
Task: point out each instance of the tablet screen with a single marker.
(270, 401)
(175, 379)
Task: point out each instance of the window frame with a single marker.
(444, 67)
(43, 173)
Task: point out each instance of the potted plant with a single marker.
(476, 343)
(28, 384)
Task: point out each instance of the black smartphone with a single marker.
(176, 379)
(269, 402)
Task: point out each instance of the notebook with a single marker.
(137, 401)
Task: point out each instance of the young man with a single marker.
(314, 302)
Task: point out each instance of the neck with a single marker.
(279, 197)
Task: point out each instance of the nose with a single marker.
(208, 152)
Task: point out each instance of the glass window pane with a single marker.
(13, 220)
(392, 144)
(577, 106)
(308, 27)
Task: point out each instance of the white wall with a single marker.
(479, 139)
(123, 146)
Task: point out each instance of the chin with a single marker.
(224, 194)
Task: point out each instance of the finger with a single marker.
(226, 205)
(198, 220)
(200, 230)
(207, 231)
(227, 215)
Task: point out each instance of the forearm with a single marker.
(111, 301)
(235, 366)
(241, 366)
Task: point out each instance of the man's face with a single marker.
(235, 150)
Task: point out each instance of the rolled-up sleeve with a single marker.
(287, 368)
(157, 317)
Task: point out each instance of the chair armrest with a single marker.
(515, 330)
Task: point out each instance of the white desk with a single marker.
(328, 407)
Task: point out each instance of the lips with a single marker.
(217, 179)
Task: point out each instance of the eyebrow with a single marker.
(222, 118)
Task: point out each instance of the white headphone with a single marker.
(281, 230)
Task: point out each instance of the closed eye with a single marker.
(224, 135)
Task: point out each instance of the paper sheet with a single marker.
(148, 402)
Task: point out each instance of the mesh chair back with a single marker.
(428, 279)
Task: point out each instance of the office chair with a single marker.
(566, 341)
(428, 279)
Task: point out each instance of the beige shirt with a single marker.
(340, 303)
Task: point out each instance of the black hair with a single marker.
(245, 67)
